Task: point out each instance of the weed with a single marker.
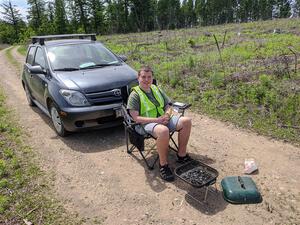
(3, 183)
(4, 203)
(217, 79)
(191, 43)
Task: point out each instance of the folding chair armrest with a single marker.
(180, 107)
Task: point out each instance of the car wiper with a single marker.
(66, 69)
(100, 65)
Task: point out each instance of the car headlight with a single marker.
(74, 98)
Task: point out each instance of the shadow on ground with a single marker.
(91, 140)
(194, 196)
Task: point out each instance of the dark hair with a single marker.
(145, 68)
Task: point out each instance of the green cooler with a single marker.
(240, 190)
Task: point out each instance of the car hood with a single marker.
(99, 79)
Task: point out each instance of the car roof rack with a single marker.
(41, 39)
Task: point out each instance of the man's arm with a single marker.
(141, 119)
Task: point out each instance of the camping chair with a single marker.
(135, 140)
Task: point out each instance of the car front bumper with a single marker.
(81, 118)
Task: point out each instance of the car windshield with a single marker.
(80, 56)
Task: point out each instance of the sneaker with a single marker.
(166, 173)
(184, 159)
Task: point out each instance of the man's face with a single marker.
(145, 79)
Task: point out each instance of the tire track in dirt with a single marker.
(95, 177)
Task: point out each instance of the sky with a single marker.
(21, 6)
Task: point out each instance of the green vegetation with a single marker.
(22, 50)
(10, 57)
(24, 191)
(124, 16)
(253, 82)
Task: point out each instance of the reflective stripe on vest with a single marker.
(147, 108)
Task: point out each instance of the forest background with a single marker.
(125, 16)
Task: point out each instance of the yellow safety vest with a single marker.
(147, 108)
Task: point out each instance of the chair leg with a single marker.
(176, 146)
(150, 167)
(129, 149)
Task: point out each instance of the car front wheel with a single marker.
(57, 121)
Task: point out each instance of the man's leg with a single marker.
(184, 126)
(161, 133)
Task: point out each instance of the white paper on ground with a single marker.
(250, 166)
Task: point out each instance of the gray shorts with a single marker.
(149, 127)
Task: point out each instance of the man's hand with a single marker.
(163, 119)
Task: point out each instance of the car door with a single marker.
(39, 82)
(28, 64)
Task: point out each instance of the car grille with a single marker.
(115, 95)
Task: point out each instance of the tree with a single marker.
(266, 9)
(12, 17)
(72, 16)
(284, 8)
(142, 12)
(81, 8)
(168, 14)
(36, 14)
(97, 17)
(188, 11)
(60, 20)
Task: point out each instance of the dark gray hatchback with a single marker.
(77, 82)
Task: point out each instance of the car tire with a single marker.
(57, 121)
(28, 96)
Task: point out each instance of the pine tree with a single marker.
(72, 15)
(36, 14)
(49, 27)
(143, 13)
(97, 17)
(188, 11)
(82, 10)
(284, 8)
(12, 17)
(117, 16)
(60, 21)
(169, 14)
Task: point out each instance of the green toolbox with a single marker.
(240, 190)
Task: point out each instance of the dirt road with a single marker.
(95, 177)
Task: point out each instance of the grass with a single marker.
(253, 84)
(12, 60)
(22, 50)
(25, 190)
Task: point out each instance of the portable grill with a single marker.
(197, 174)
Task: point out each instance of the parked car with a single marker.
(76, 81)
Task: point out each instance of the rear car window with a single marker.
(30, 55)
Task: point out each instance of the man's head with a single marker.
(145, 77)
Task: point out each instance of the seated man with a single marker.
(147, 105)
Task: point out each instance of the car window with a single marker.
(30, 55)
(39, 58)
(80, 56)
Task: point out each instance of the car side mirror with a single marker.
(37, 70)
(123, 57)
